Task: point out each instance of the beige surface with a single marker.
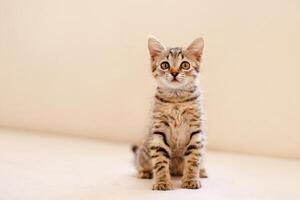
(81, 67)
(35, 167)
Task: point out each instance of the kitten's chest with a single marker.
(179, 119)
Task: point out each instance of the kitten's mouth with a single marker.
(174, 80)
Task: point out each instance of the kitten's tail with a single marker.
(134, 148)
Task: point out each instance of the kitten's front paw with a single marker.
(191, 184)
(162, 186)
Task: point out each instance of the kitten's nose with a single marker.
(174, 74)
(174, 71)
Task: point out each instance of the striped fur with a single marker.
(176, 140)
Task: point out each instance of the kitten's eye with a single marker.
(164, 65)
(185, 65)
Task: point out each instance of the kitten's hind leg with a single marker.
(145, 174)
(203, 173)
(142, 163)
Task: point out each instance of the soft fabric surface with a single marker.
(37, 166)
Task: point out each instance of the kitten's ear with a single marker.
(154, 46)
(196, 48)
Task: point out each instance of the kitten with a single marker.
(175, 142)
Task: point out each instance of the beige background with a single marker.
(81, 67)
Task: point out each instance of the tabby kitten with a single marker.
(175, 142)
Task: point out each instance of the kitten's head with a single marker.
(175, 68)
